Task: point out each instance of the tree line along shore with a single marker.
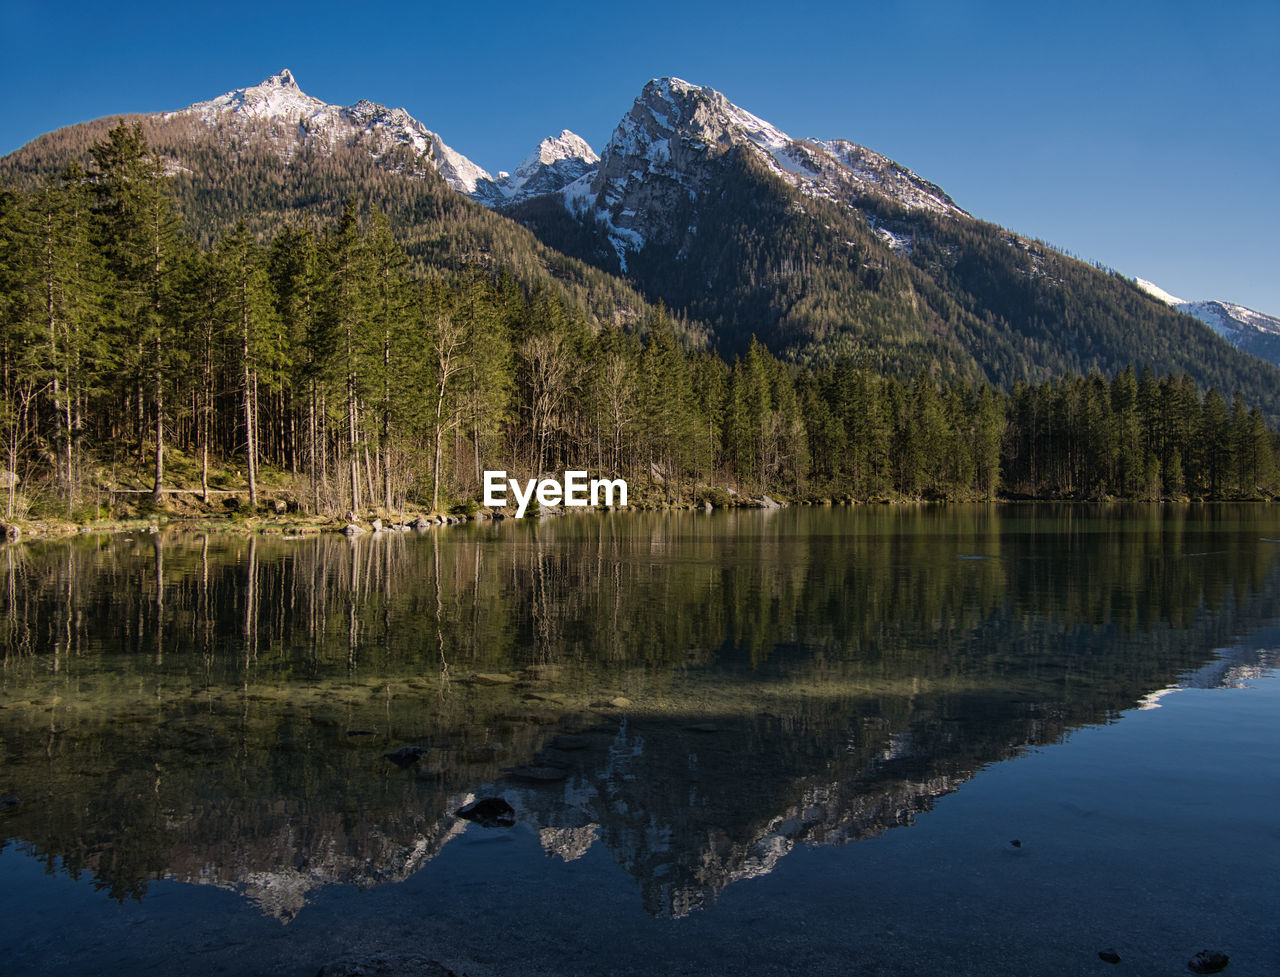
(147, 377)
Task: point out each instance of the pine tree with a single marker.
(248, 313)
(138, 234)
(389, 319)
(295, 270)
(344, 318)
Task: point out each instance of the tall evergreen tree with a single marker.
(137, 233)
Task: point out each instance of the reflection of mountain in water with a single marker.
(217, 711)
(1234, 668)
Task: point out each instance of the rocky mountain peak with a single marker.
(284, 79)
(278, 109)
(556, 162)
(567, 145)
(664, 148)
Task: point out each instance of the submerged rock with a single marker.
(489, 812)
(1108, 956)
(406, 756)
(1208, 962)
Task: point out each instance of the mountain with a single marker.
(278, 110)
(1246, 329)
(823, 248)
(557, 162)
(271, 155)
(661, 151)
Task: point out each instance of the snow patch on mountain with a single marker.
(1247, 329)
(870, 172)
(896, 242)
(1232, 322)
(1155, 291)
(298, 120)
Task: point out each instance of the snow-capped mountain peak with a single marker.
(670, 107)
(555, 163)
(293, 119)
(284, 79)
(567, 145)
(277, 98)
(662, 151)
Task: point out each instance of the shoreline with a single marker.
(383, 523)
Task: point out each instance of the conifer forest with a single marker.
(323, 360)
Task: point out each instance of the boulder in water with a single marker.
(1208, 962)
(489, 812)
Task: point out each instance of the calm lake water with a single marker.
(793, 742)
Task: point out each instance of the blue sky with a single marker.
(1145, 136)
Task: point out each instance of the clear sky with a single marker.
(1143, 135)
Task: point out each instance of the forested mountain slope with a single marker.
(273, 172)
(827, 249)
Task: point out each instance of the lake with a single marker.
(868, 740)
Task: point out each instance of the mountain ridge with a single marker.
(279, 99)
(834, 250)
(1254, 332)
(822, 249)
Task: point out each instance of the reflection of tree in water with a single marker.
(217, 709)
